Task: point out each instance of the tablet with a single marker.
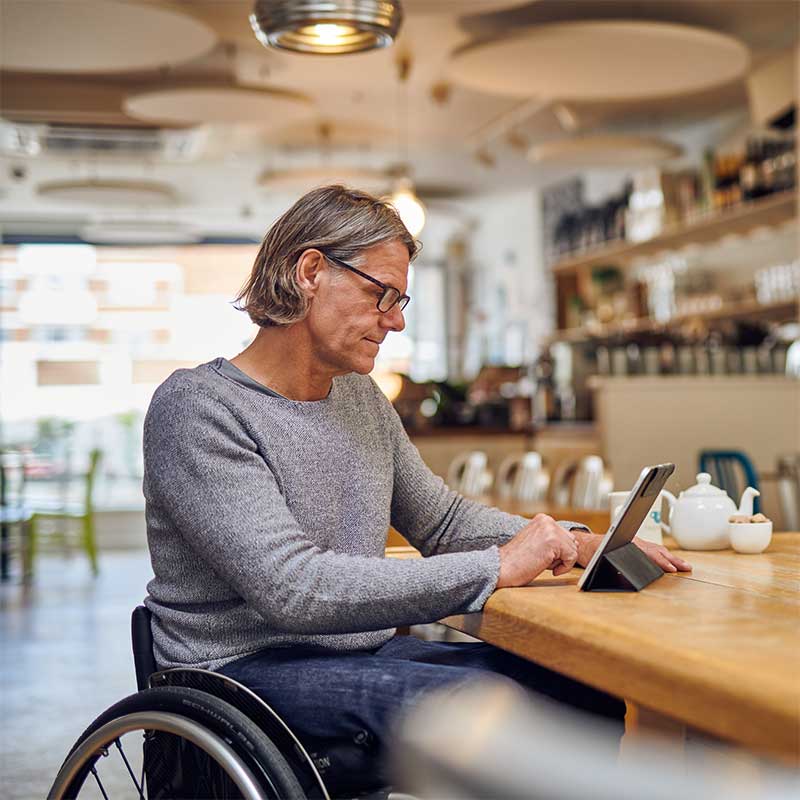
(651, 481)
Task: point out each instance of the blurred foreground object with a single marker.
(491, 739)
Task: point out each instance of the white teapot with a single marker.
(699, 516)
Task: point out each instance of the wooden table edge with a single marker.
(775, 730)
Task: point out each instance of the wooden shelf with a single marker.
(772, 210)
(647, 325)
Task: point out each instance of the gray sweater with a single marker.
(267, 521)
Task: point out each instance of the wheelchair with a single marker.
(193, 733)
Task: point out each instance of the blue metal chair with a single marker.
(732, 471)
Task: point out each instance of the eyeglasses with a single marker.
(390, 298)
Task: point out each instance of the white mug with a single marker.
(650, 528)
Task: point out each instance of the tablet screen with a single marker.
(632, 516)
(651, 481)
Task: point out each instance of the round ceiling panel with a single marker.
(97, 36)
(104, 193)
(370, 180)
(139, 232)
(460, 7)
(604, 151)
(601, 60)
(217, 104)
(354, 133)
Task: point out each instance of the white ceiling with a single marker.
(358, 114)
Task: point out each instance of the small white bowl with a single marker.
(750, 537)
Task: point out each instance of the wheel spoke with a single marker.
(99, 783)
(191, 750)
(128, 767)
(203, 774)
(144, 761)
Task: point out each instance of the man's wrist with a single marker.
(587, 544)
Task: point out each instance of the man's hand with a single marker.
(542, 544)
(659, 555)
(589, 542)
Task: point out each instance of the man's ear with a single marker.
(310, 267)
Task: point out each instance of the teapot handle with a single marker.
(670, 498)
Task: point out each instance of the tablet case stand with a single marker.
(626, 569)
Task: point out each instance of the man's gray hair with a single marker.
(336, 220)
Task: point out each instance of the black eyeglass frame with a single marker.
(401, 300)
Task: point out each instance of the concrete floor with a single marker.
(65, 656)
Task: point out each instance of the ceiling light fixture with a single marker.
(326, 27)
(484, 157)
(567, 118)
(404, 198)
(408, 206)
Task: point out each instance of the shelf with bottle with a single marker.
(742, 218)
(732, 192)
(788, 308)
(677, 356)
(740, 345)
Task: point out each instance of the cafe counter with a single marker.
(556, 443)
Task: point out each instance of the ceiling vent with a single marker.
(102, 141)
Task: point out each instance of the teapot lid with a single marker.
(703, 488)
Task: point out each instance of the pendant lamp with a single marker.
(403, 197)
(408, 206)
(326, 27)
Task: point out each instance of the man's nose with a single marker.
(393, 319)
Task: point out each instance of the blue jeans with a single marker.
(332, 698)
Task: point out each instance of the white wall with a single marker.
(653, 420)
(511, 294)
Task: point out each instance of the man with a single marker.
(272, 479)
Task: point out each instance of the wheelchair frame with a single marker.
(228, 696)
(252, 706)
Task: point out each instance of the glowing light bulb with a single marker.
(409, 207)
(329, 34)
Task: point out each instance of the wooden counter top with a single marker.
(717, 649)
(465, 431)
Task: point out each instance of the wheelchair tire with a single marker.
(211, 727)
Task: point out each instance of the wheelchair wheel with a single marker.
(174, 743)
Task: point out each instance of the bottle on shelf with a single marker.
(544, 398)
(749, 173)
(727, 189)
(769, 166)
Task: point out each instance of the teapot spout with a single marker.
(746, 503)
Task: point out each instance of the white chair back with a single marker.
(588, 488)
(468, 475)
(585, 484)
(522, 477)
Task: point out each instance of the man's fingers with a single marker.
(660, 555)
(683, 566)
(675, 563)
(568, 555)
